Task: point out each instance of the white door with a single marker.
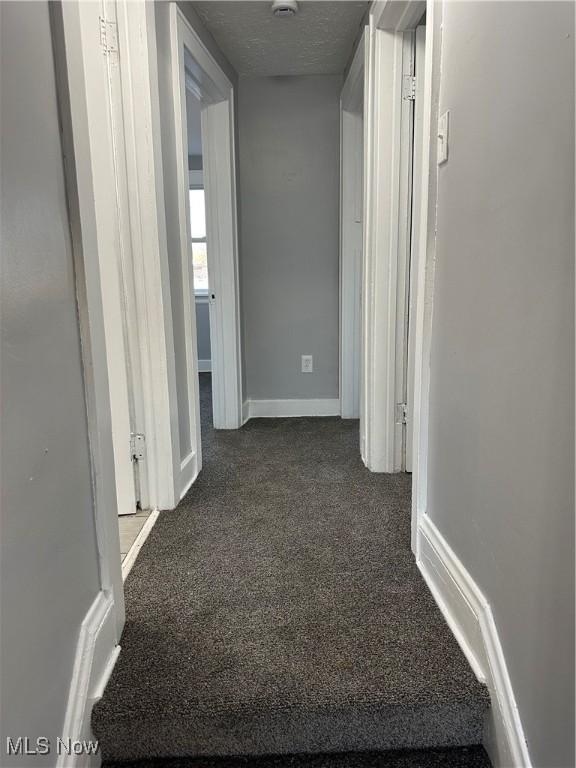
(145, 55)
(416, 234)
(121, 375)
(194, 70)
(188, 447)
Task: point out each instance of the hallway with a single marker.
(279, 610)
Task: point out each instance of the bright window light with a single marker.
(198, 236)
(197, 214)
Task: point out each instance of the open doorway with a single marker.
(200, 256)
(203, 105)
(382, 109)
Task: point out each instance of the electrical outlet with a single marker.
(307, 364)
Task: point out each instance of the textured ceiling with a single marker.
(317, 41)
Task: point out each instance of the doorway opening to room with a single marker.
(380, 244)
(204, 299)
(204, 140)
(182, 307)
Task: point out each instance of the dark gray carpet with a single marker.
(454, 757)
(279, 610)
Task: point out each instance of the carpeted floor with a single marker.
(452, 757)
(279, 610)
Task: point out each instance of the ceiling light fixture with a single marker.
(284, 8)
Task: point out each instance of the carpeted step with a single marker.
(354, 727)
(455, 757)
(279, 610)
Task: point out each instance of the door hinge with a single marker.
(409, 87)
(137, 444)
(401, 412)
(108, 36)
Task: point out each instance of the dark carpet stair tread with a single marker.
(279, 610)
(343, 729)
(457, 757)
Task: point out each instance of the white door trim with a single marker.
(392, 18)
(351, 216)
(387, 237)
(216, 93)
(416, 235)
(386, 227)
(84, 101)
(83, 90)
(143, 254)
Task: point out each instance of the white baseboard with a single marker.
(138, 542)
(470, 618)
(204, 366)
(281, 408)
(96, 653)
(245, 412)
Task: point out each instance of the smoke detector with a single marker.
(284, 8)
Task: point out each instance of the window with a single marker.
(198, 236)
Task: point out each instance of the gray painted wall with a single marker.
(49, 568)
(203, 330)
(501, 482)
(289, 186)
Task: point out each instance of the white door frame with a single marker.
(211, 86)
(83, 88)
(386, 239)
(389, 19)
(143, 257)
(416, 234)
(165, 475)
(140, 268)
(113, 311)
(351, 217)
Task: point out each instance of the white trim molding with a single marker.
(422, 280)
(387, 177)
(351, 217)
(82, 74)
(280, 408)
(208, 82)
(96, 654)
(138, 543)
(470, 618)
(143, 259)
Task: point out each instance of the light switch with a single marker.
(443, 127)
